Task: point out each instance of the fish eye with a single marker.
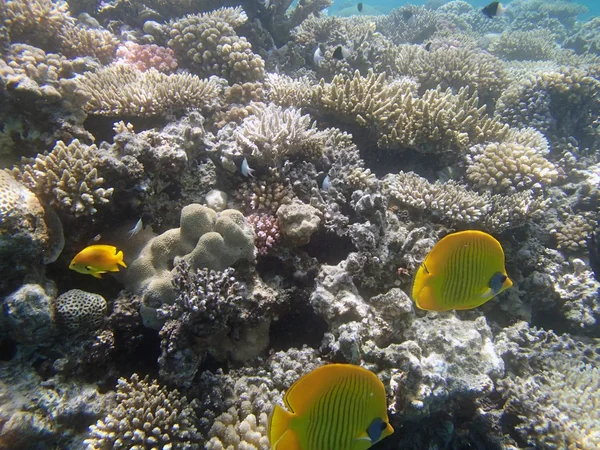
(383, 425)
(503, 278)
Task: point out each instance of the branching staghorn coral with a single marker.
(208, 44)
(270, 136)
(66, 178)
(361, 43)
(587, 38)
(286, 91)
(121, 90)
(147, 416)
(410, 24)
(531, 45)
(454, 204)
(82, 41)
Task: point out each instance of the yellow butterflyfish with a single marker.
(97, 259)
(334, 407)
(462, 271)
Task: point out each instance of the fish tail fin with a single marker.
(280, 435)
(120, 259)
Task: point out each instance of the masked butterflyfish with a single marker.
(462, 271)
(334, 407)
(97, 259)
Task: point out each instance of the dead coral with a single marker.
(66, 178)
(123, 90)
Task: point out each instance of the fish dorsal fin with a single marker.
(303, 393)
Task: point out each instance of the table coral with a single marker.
(120, 90)
(67, 178)
(208, 44)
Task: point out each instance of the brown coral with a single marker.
(67, 178)
(208, 44)
(123, 90)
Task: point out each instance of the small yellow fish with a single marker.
(462, 271)
(97, 259)
(334, 407)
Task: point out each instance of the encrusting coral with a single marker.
(67, 178)
(121, 89)
(147, 415)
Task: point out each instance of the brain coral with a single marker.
(79, 310)
(205, 239)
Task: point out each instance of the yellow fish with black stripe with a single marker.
(334, 407)
(462, 271)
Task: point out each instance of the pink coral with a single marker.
(266, 228)
(143, 57)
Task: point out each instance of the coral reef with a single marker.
(208, 44)
(205, 239)
(67, 178)
(275, 176)
(122, 90)
(78, 310)
(146, 414)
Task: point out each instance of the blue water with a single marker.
(386, 6)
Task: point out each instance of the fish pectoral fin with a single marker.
(426, 300)
(487, 294)
(289, 441)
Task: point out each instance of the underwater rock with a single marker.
(28, 313)
(298, 222)
(27, 229)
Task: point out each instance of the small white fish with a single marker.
(246, 170)
(326, 184)
(135, 230)
(318, 56)
(267, 3)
